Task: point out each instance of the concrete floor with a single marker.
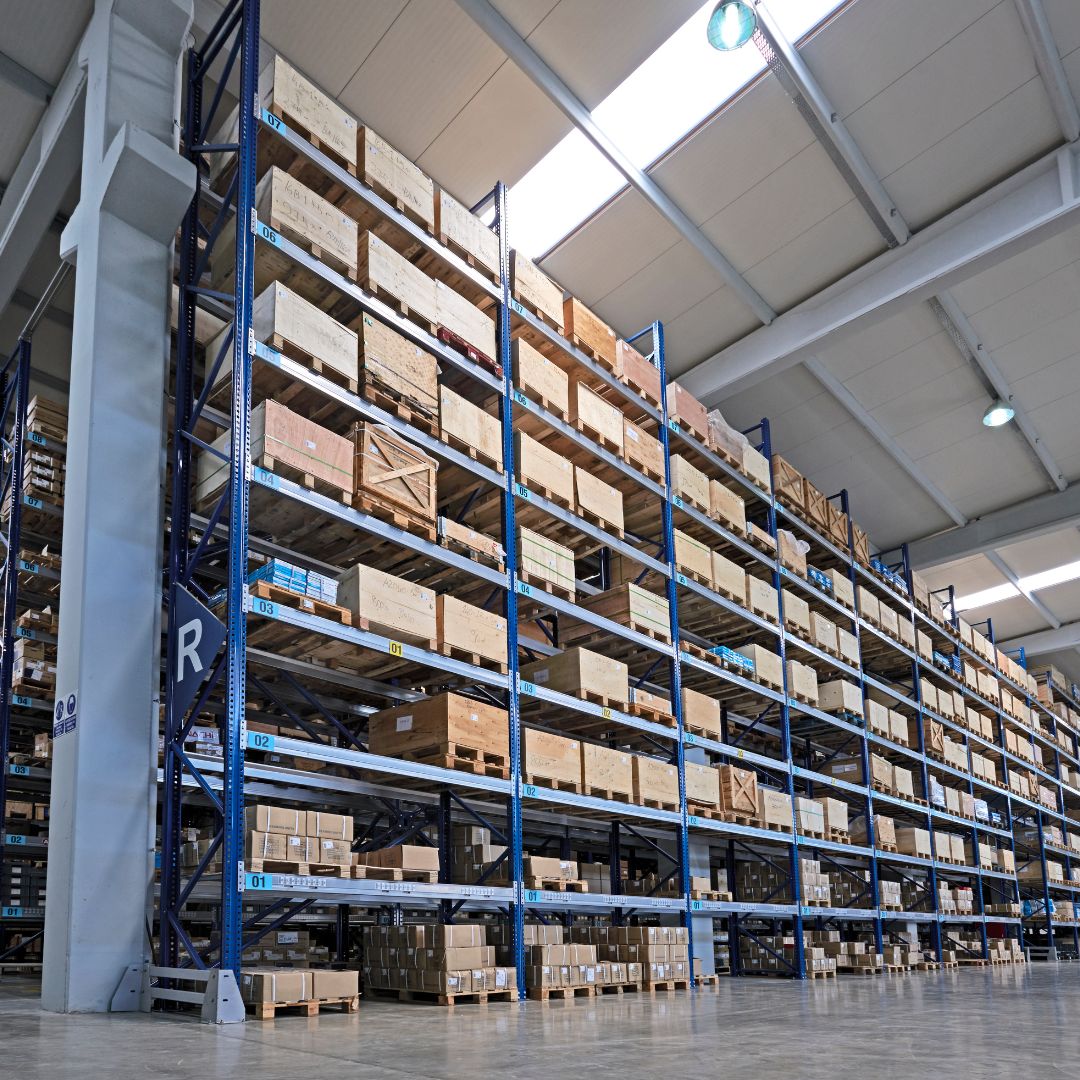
(993, 1022)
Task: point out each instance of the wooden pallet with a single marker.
(821, 974)
(665, 986)
(608, 795)
(268, 1010)
(704, 810)
(895, 969)
(455, 652)
(851, 969)
(425, 997)
(546, 586)
(544, 884)
(296, 868)
(311, 362)
(290, 472)
(657, 804)
(583, 428)
(393, 873)
(265, 590)
(549, 782)
(452, 755)
(887, 847)
(396, 515)
(839, 836)
(471, 452)
(618, 988)
(712, 894)
(560, 993)
(600, 522)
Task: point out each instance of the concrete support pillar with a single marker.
(135, 187)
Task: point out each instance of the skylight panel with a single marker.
(684, 81)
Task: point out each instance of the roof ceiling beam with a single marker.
(1048, 61)
(798, 81)
(529, 61)
(23, 79)
(1045, 641)
(1025, 520)
(1038, 201)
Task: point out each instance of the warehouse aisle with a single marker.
(914, 1026)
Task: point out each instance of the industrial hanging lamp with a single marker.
(999, 413)
(731, 25)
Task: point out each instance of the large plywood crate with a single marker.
(693, 558)
(590, 333)
(656, 783)
(727, 507)
(606, 773)
(738, 790)
(465, 321)
(639, 372)
(788, 481)
(543, 469)
(540, 379)
(629, 605)
(582, 673)
(598, 501)
(543, 562)
(643, 451)
(550, 760)
(687, 411)
(395, 368)
(469, 428)
(594, 416)
(392, 606)
(701, 713)
(702, 784)
(689, 483)
(393, 176)
(469, 632)
(532, 288)
(390, 276)
(444, 723)
(462, 231)
(392, 473)
(287, 444)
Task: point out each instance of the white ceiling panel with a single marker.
(1064, 18)
(1063, 601)
(691, 335)
(1011, 618)
(1046, 299)
(1042, 552)
(21, 116)
(968, 575)
(860, 350)
(41, 36)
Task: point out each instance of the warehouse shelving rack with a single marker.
(247, 681)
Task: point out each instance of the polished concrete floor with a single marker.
(992, 1022)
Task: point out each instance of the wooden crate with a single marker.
(288, 444)
(537, 377)
(693, 558)
(791, 553)
(843, 590)
(582, 673)
(606, 772)
(738, 790)
(464, 319)
(598, 500)
(289, 323)
(438, 721)
(728, 578)
(788, 482)
(302, 216)
(590, 333)
(648, 702)
(860, 545)
(756, 466)
(543, 469)
(532, 288)
(702, 784)
(761, 598)
(727, 507)
(655, 781)
(454, 533)
(392, 606)
(643, 451)
(687, 411)
(550, 757)
(802, 682)
(462, 231)
(838, 527)
(725, 441)
(816, 506)
(689, 483)
(627, 604)
(390, 276)
(796, 614)
(465, 628)
(595, 417)
(393, 176)
(389, 470)
(391, 364)
(469, 427)
(823, 633)
(701, 713)
(767, 669)
(639, 372)
(543, 561)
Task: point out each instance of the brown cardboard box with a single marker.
(438, 721)
(275, 819)
(840, 695)
(392, 606)
(761, 598)
(330, 826)
(835, 814)
(402, 857)
(702, 784)
(329, 984)
(911, 841)
(774, 808)
(277, 986)
(701, 711)
(767, 669)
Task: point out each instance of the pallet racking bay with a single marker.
(784, 738)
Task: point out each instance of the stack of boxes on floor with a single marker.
(845, 955)
(768, 882)
(649, 954)
(552, 962)
(440, 959)
(775, 954)
(291, 985)
(286, 948)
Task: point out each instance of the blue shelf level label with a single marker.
(695, 905)
(271, 120)
(689, 738)
(522, 400)
(674, 425)
(20, 770)
(693, 819)
(35, 504)
(25, 632)
(527, 687)
(521, 491)
(269, 235)
(21, 699)
(676, 500)
(258, 882)
(11, 913)
(264, 607)
(29, 567)
(517, 308)
(260, 740)
(265, 477)
(528, 791)
(15, 839)
(36, 437)
(532, 896)
(681, 579)
(524, 588)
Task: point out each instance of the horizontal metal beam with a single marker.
(529, 61)
(1045, 641)
(1037, 202)
(1033, 517)
(14, 74)
(1006, 572)
(1051, 69)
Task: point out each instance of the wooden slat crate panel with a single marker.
(639, 372)
(397, 365)
(581, 672)
(395, 177)
(607, 770)
(391, 470)
(816, 506)
(689, 482)
(533, 288)
(788, 481)
(724, 440)
(589, 332)
(470, 424)
(629, 605)
(470, 629)
(598, 500)
(437, 721)
(727, 507)
(860, 545)
(543, 468)
(551, 757)
(394, 607)
(756, 466)
(738, 789)
(465, 537)
(465, 319)
(460, 229)
(838, 527)
(539, 378)
(728, 577)
(384, 272)
(544, 559)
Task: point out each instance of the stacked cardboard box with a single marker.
(768, 883)
(776, 952)
(554, 963)
(848, 955)
(284, 986)
(474, 852)
(441, 959)
(286, 948)
(660, 953)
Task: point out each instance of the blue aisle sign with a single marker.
(199, 634)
